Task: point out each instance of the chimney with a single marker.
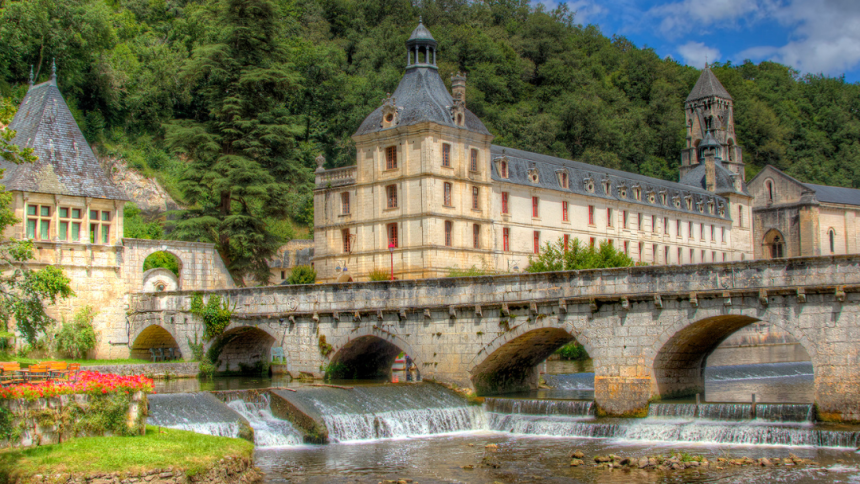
(710, 171)
(458, 86)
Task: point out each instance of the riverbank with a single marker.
(168, 455)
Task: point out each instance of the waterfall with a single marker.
(734, 411)
(269, 431)
(388, 411)
(539, 407)
(196, 412)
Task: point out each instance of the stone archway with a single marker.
(156, 338)
(773, 245)
(509, 363)
(245, 349)
(367, 353)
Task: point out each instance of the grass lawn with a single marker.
(159, 448)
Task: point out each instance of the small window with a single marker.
(654, 249)
(832, 234)
(449, 227)
(564, 180)
(702, 231)
(535, 207)
(666, 254)
(624, 219)
(639, 222)
(740, 217)
(391, 195)
(392, 235)
(476, 236)
(690, 234)
(654, 224)
(505, 202)
(344, 203)
(591, 215)
(504, 168)
(473, 165)
(70, 224)
(592, 242)
(283, 275)
(713, 237)
(641, 249)
(626, 247)
(391, 158)
(666, 225)
(678, 227)
(475, 199)
(723, 234)
(446, 195)
(692, 256)
(446, 155)
(564, 211)
(769, 185)
(713, 256)
(704, 254)
(344, 234)
(566, 241)
(609, 217)
(506, 239)
(724, 256)
(637, 193)
(680, 256)
(536, 242)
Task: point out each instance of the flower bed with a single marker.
(94, 404)
(87, 383)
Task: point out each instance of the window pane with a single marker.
(106, 216)
(105, 234)
(44, 230)
(76, 213)
(64, 212)
(31, 210)
(94, 229)
(45, 211)
(94, 214)
(31, 229)
(64, 230)
(76, 232)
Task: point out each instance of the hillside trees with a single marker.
(241, 139)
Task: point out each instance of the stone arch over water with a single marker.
(154, 337)
(368, 353)
(509, 363)
(242, 348)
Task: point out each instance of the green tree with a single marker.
(162, 259)
(578, 256)
(78, 337)
(241, 140)
(135, 227)
(302, 275)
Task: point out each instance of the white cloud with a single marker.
(697, 53)
(679, 18)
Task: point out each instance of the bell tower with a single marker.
(710, 123)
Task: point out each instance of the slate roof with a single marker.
(828, 194)
(422, 96)
(708, 86)
(421, 33)
(66, 164)
(520, 162)
(696, 178)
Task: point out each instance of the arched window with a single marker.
(774, 244)
(769, 185)
(832, 234)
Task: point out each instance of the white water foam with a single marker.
(404, 423)
(269, 431)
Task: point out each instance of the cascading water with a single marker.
(571, 381)
(578, 408)
(197, 412)
(388, 411)
(734, 411)
(269, 431)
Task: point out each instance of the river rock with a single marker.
(600, 459)
(765, 462)
(643, 462)
(576, 463)
(491, 447)
(468, 467)
(577, 454)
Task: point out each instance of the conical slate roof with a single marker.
(422, 96)
(708, 86)
(66, 164)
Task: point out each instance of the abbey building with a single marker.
(430, 193)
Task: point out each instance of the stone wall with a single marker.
(157, 371)
(649, 329)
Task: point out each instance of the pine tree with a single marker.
(240, 141)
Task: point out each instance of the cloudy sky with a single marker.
(813, 36)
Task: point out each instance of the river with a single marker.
(422, 432)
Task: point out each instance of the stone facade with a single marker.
(429, 194)
(649, 329)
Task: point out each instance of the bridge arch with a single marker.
(509, 362)
(153, 337)
(679, 355)
(367, 353)
(242, 348)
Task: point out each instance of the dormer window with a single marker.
(534, 177)
(663, 198)
(473, 163)
(607, 186)
(637, 193)
(689, 201)
(504, 168)
(563, 179)
(622, 190)
(588, 183)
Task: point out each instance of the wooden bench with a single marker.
(10, 373)
(39, 373)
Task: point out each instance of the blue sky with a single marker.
(813, 36)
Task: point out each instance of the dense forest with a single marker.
(228, 102)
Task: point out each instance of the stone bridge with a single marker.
(648, 329)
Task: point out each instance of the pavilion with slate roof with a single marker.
(793, 219)
(64, 196)
(430, 193)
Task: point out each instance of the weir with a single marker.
(198, 412)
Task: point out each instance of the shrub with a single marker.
(77, 337)
(215, 314)
(572, 351)
(470, 272)
(379, 275)
(302, 275)
(162, 259)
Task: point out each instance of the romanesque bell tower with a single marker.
(710, 117)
